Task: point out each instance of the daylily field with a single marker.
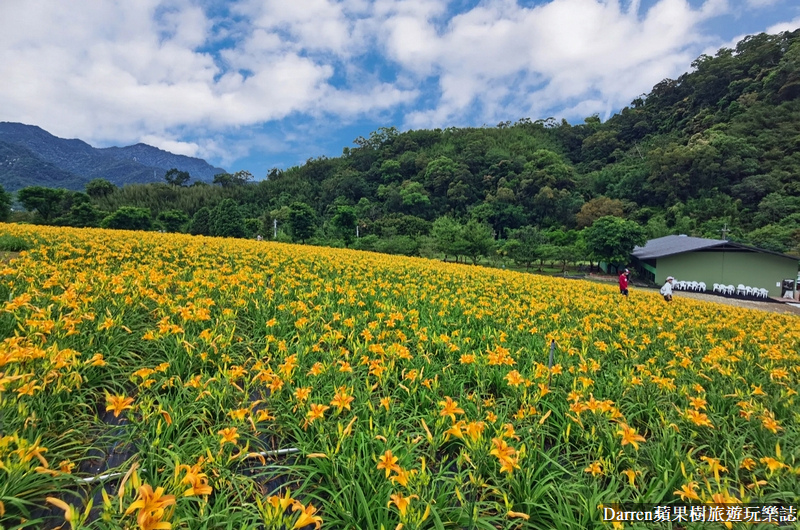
(157, 381)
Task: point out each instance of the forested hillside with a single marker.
(719, 147)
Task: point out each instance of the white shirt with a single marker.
(667, 289)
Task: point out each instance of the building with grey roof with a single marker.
(714, 261)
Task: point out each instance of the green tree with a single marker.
(401, 224)
(612, 239)
(448, 237)
(500, 214)
(228, 180)
(281, 215)
(172, 220)
(44, 201)
(369, 242)
(597, 208)
(344, 221)
(773, 237)
(440, 173)
(562, 238)
(252, 227)
(82, 215)
(755, 187)
(657, 227)
(302, 221)
(176, 177)
(200, 225)
(97, 188)
(775, 207)
(552, 207)
(414, 198)
(569, 254)
(523, 245)
(390, 171)
(547, 168)
(128, 218)
(600, 146)
(479, 239)
(562, 255)
(405, 245)
(5, 204)
(226, 220)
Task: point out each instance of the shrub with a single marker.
(9, 243)
(226, 220)
(128, 218)
(200, 223)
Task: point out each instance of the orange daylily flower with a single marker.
(401, 502)
(594, 468)
(687, 492)
(341, 400)
(388, 462)
(118, 404)
(151, 505)
(307, 516)
(228, 435)
(317, 412)
(629, 436)
(450, 408)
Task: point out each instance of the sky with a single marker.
(256, 84)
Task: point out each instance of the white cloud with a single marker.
(762, 3)
(574, 48)
(153, 70)
(173, 146)
(124, 71)
(784, 26)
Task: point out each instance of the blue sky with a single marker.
(256, 84)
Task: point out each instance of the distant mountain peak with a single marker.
(32, 156)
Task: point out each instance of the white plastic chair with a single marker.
(701, 286)
(740, 289)
(748, 291)
(730, 289)
(693, 285)
(679, 285)
(717, 287)
(763, 293)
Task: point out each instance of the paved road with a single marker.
(749, 304)
(773, 307)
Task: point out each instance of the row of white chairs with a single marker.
(689, 286)
(741, 290)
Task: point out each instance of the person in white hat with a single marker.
(667, 289)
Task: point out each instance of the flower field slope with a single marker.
(164, 381)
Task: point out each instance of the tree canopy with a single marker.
(177, 177)
(44, 201)
(612, 239)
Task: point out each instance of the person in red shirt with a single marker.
(623, 282)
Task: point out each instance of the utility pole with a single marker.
(356, 231)
(725, 232)
(274, 229)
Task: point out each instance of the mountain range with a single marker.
(31, 156)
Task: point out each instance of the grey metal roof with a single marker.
(669, 245)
